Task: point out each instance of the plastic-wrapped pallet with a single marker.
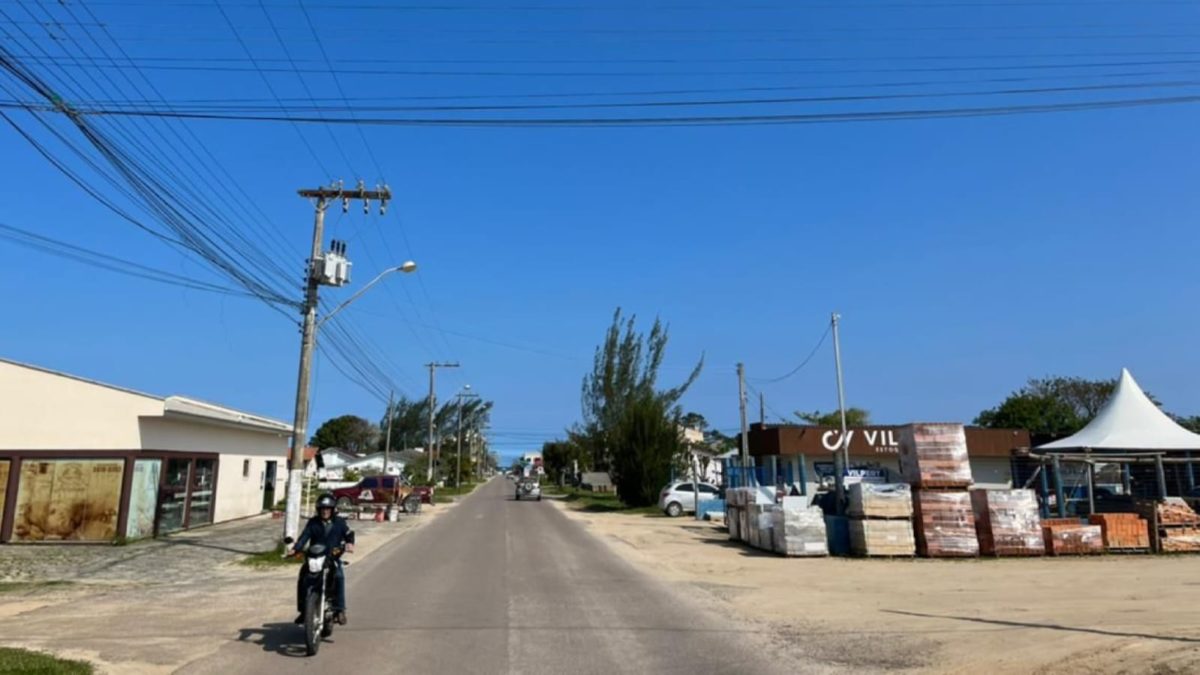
(868, 500)
(882, 537)
(1008, 522)
(744, 524)
(732, 521)
(1073, 539)
(799, 529)
(763, 521)
(934, 455)
(944, 524)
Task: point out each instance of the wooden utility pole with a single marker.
(387, 442)
(433, 366)
(762, 410)
(841, 460)
(315, 277)
(458, 462)
(741, 373)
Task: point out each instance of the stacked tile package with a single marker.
(1069, 536)
(799, 529)
(876, 537)
(935, 456)
(1122, 531)
(1008, 523)
(933, 459)
(945, 524)
(869, 500)
(881, 520)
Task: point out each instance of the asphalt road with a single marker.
(499, 586)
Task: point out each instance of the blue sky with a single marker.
(965, 255)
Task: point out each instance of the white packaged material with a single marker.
(799, 531)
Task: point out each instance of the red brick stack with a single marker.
(1008, 523)
(1122, 531)
(1069, 536)
(945, 524)
(1178, 526)
(933, 459)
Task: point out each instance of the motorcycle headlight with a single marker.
(316, 564)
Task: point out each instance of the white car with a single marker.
(678, 498)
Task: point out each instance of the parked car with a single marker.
(679, 498)
(379, 491)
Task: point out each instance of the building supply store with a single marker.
(86, 461)
(874, 451)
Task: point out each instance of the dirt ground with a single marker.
(1110, 614)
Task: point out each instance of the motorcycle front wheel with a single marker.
(313, 621)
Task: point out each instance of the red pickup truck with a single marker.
(379, 491)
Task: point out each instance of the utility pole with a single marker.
(458, 462)
(387, 443)
(841, 458)
(741, 373)
(328, 269)
(762, 410)
(433, 366)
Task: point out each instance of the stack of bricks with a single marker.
(1008, 523)
(1179, 526)
(945, 524)
(1069, 536)
(1122, 531)
(933, 459)
(881, 520)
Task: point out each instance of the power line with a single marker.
(803, 363)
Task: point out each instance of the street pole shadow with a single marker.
(1047, 626)
(285, 639)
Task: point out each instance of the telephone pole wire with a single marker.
(433, 366)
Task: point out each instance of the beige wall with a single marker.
(42, 411)
(239, 496)
(991, 472)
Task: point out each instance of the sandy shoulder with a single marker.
(1053, 615)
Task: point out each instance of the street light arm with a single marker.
(406, 267)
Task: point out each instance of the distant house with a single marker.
(333, 463)
(596, 481)
(373, 463)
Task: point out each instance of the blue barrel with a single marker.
(837, 534)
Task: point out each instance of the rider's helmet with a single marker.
(326, 501)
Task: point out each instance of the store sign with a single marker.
(855, 474)
(882, 441)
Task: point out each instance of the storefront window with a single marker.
(143, 497)
(201, 505)
(173, 496)
(4, 464)
(68, 500)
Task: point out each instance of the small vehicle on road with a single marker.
(528, 488)
(317, 582)
(382, 491)
(680, 497)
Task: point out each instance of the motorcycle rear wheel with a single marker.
(313, 621)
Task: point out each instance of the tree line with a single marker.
(410, 429)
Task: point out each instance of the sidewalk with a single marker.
(177, 558)
(154, 606)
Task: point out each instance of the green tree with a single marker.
(647, 446)
(624, 370)
(1051, 406)
(694, 420)
(855, 417)
(348, 432)
(559, 458)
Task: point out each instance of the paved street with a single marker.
(497, 586)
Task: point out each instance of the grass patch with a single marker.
(25, 661)
(269, 559)
(599, 502)
(19, 586)
(442, 495)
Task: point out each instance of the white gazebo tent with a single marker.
(1129, 429)
(1129, 421)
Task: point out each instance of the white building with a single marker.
(86, 461)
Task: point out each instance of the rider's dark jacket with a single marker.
(334, 533)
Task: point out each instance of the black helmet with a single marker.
(326, 501)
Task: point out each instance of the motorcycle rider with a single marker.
(332, 530)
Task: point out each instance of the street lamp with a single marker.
(406, 268)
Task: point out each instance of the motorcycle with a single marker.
(319, 578)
